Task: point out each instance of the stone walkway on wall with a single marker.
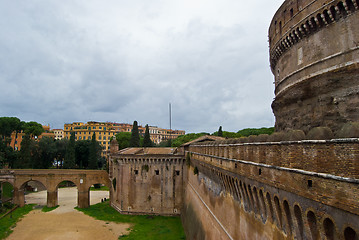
(65, 222)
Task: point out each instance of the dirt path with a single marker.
(65, 222)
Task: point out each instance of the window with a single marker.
(157, 172)
(100, 138)
(136, 172)
(99, 127)
(177, 173)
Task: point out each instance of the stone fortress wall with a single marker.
(274, 190)
(314, 56)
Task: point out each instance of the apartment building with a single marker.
(158, 135)
(58, 133)
(105, 130)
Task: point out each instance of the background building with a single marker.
(105, 130)
(58, 133)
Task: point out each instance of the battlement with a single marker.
(296, 20)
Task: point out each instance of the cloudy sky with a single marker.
(120, 61)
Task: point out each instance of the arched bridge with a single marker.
(51, 178)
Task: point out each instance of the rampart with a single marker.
(314, 56)
(274, 190)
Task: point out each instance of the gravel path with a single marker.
(65, 222)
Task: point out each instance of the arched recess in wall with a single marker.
(288, 216)
(350, 234)
(329, 229)
(261, 197)
(313, 226)
(114, 184)
(252, 199)
(299, 219)
(279, 212)
(270, 206)
(256, 199)
(249, 203)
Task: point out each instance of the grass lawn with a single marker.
(144, 227)
(102, 188)
(49, 209)
(8, 222)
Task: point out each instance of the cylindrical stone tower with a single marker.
(314, 56)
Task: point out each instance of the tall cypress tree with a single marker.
(70, 159)
(93, 153)
(135, 136)
(147, 140)
(26, 160)
(220, 133)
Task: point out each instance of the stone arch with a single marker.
(256, 199)
(237, 189)
(249, 203)
(320, 20)
(261, 197)
(31, 185)
(244, 196)
(299, 219)
(96, 194)
(279, 212)
(313, 226)
(254, 209)
(341, 8)
(288, 216)
(64, 183)
(327, 17)
(350, 234)
(329, 229)
(314, 24)
(350, 5)
(270, 206)
(334, 13)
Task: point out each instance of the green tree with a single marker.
(33, 128)
(8, 156)
(82, 152)
(46, 152)
(8, 125)
(135, 136)
(26, 153)
(256, 131)
(147, 139)
(70, 159)
(220, 133)
(60, 151)
(123, 139)
(186, 138)
(93, 153)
